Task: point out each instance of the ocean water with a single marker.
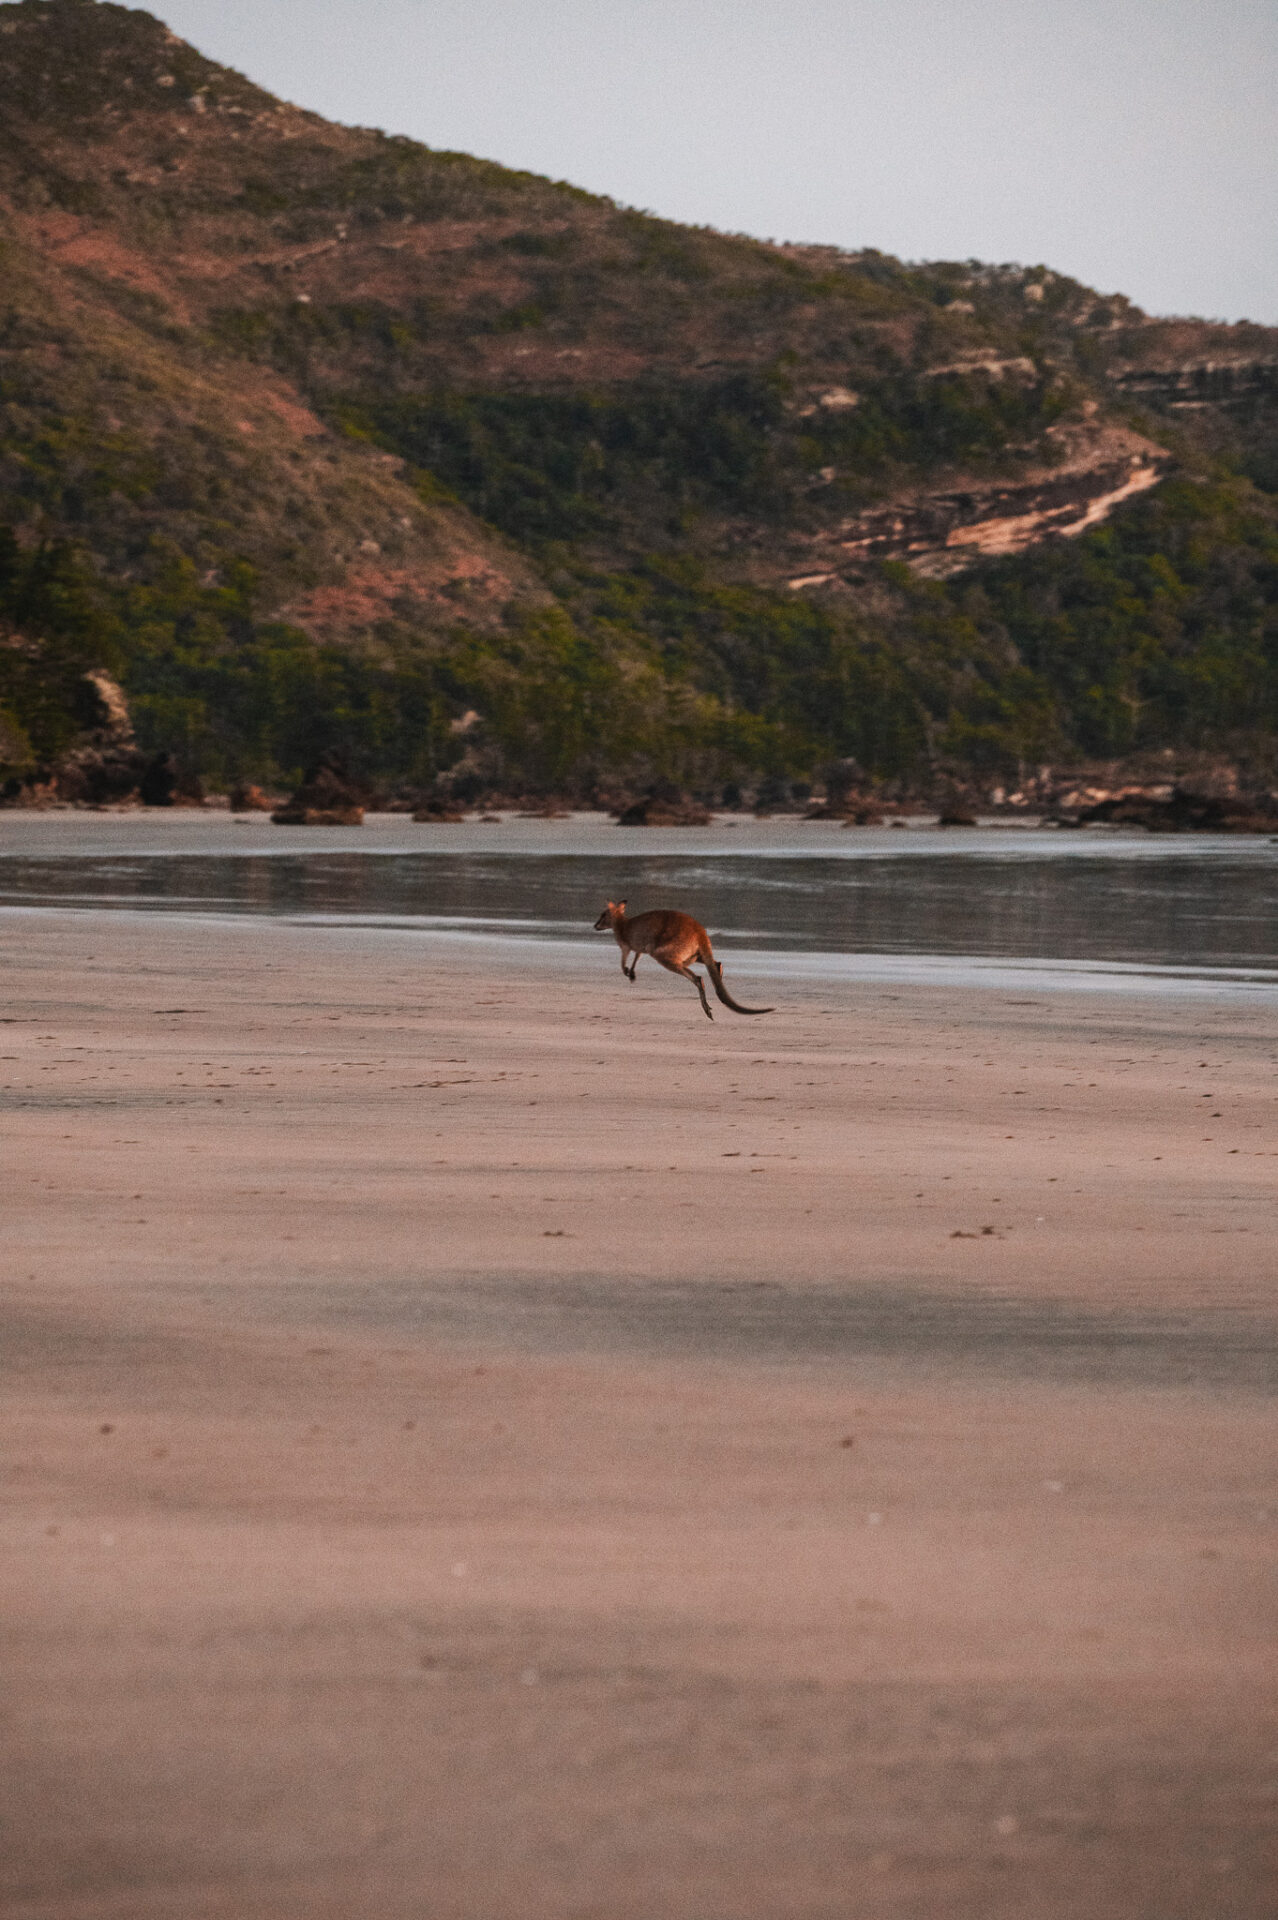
(990, 902)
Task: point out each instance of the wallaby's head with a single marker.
(610, 915)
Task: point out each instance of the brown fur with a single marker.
(674, 940)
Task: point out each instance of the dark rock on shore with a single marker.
(655, 811)
(251, 799)
(855, 810)
(1183, 812)
(440, 813)
(327, 797)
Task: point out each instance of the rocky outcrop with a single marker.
(248, 798)
(1229, 384)
(660, 809)
(1218, 383)
(854, 813)
(1180, 811)
(1196, 366)
(105, 766)
(439, 813)
(327, 797)
(848, 797)
(940, 532)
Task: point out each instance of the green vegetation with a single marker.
(560, 467)
(1160, 627)
(566, 442)
(640, 462)
(54, 629)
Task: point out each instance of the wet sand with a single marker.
(480, 1439)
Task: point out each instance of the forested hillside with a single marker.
(324, 441)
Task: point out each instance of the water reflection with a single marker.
(1180, 909)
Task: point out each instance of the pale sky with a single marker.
(1131, 143)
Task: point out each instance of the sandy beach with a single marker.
(482, 1440)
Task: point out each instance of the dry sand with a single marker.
(483, 1441)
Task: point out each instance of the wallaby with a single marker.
(673, 939)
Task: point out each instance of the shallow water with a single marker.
(1122, 901)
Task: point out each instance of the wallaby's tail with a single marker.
(715, 971)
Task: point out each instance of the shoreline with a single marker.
(570, 819)
(544, 946)
(1004, 910)
(731, 837)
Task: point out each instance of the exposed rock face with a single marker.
(1231, 383)
(1219, 382)
(1179, 812)
(111, 717)
(105, 766)
(939, 533)
(1195, 364)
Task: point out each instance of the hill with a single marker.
(323, 440)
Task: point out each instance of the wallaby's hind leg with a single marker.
(677, 966)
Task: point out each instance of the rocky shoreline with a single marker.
(106, 769)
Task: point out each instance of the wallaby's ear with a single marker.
(621, 906)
